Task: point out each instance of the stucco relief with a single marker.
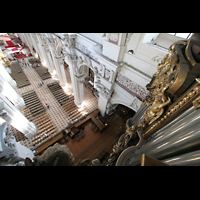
(131, 86)
(105, 92)
(43, 38)
(113, 38)
(157, 58)
(86, 51)
(107, 74)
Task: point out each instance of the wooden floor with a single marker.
(92, 144)
(20, 78)
(35, 111)
(33, 103)
(95, 144)
(67, 102)
(42, 72)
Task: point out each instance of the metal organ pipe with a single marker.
(177, 119)
(170, 140)
(188, 119)
(188, 159)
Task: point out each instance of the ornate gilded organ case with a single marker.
(173, 89)
(178, 72)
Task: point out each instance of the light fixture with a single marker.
(130, 51)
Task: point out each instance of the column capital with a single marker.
(106, 93)
(61, 62)
(81, 78)
(59, 58)
(47, 49)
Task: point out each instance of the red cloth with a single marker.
(10, 43)
(8, 47)
(21, 56)
(14, 49)
(22, 49)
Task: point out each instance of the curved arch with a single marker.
(81, 68)
(123, 103)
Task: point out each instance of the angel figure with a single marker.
(157, 108)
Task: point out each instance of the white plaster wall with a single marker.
(144, 54)
(135, 76)
(97, 37)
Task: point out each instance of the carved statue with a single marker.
(71, 42)
(156, 110)
(87, 61)
(11, 152)
(166, 74)
(58, 46)
(79, 68)
(56, 155)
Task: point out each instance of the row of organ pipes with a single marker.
(171, 143)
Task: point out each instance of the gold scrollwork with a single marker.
(189, 95)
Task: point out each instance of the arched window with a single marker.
(164, 40)
(182, 35)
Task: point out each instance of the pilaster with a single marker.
(14, 117)
(5, 75)
(44, 53)
(51, 65)
(36, 46)
(11, 94)
(27, 38)
(77, 79)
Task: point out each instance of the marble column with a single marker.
(96, 78)
(77, 79)
(51, 65)
(6, 76)
(14, 117)
(60, 72)
(44, 55)
(102, 102)
(7, 90)
(27, 38)
(104, 96)
(77, 83)
(63, 78)
(58, 63)
(50, 43)
(35, 44)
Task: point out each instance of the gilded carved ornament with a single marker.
(171, 88)
(4, 60)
